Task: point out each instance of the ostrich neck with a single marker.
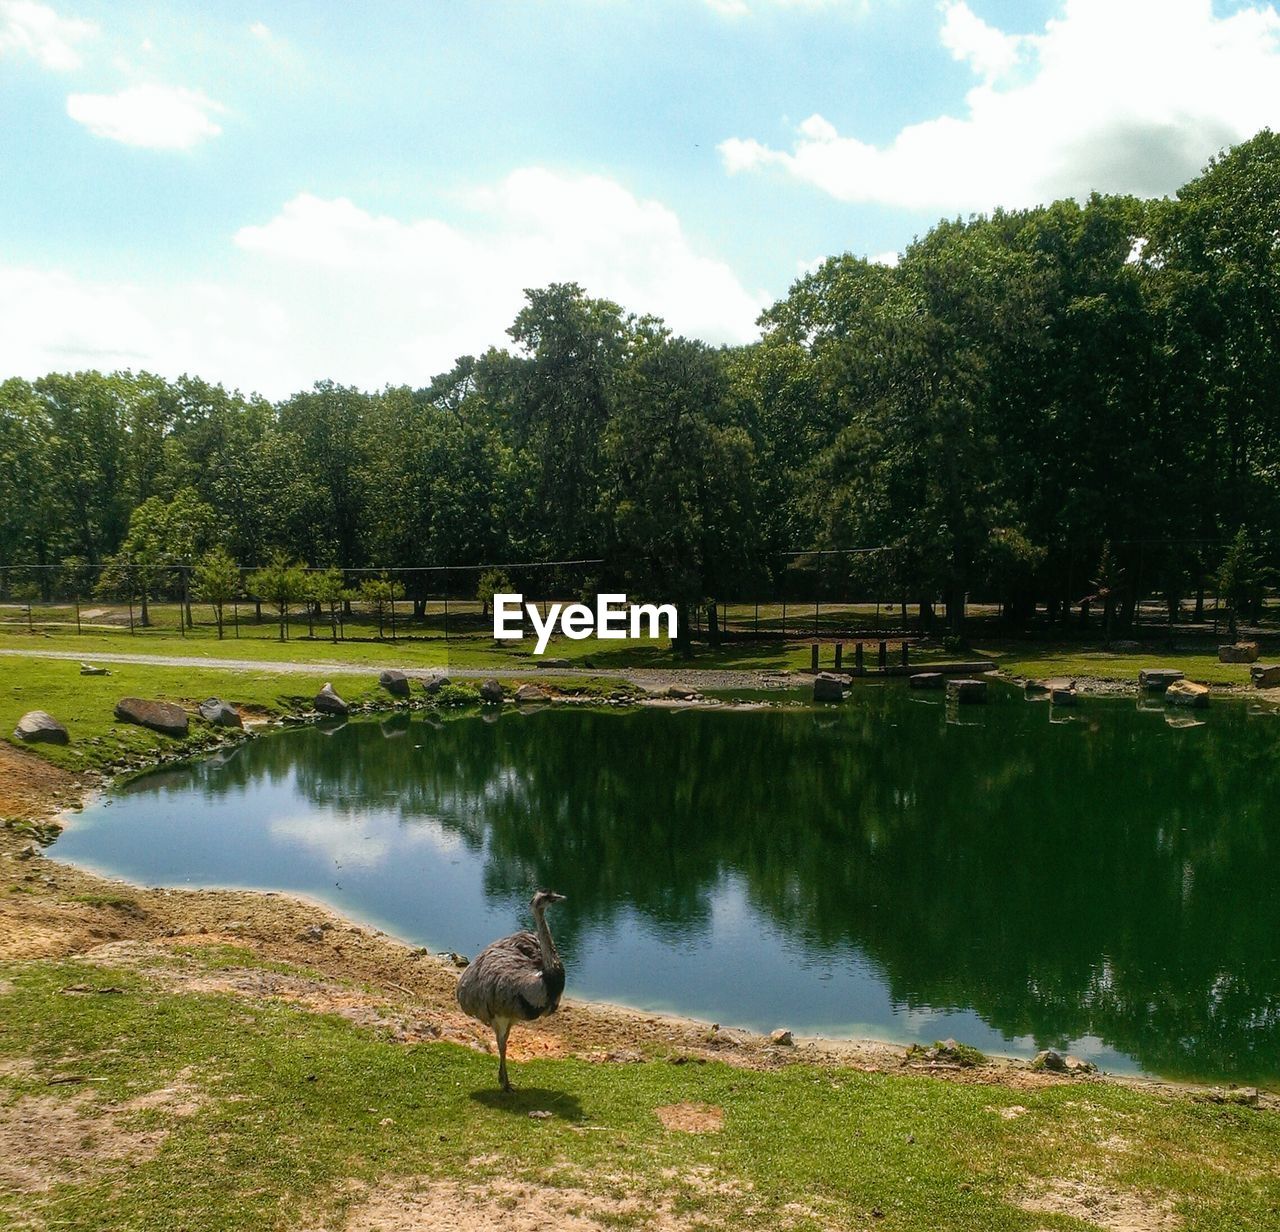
(548, 947)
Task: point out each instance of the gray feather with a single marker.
(506, 981)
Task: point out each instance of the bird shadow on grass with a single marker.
(525, 1100)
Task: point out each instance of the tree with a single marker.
(1238, 579)
(217, 581)
(492, 582)
(281, 582)
(327, 588)
(680, 495)
(381, 593)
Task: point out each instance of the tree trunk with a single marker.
(146, 613)
(713, 623)
(683, 644)
(217, 612)
(927, 615)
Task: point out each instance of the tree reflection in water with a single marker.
(1108, 877)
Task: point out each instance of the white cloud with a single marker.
(155, 117)
(261, 30)
(36, 30)
(739, 8)
(991, 52)
(327, 288)
(1129, 96)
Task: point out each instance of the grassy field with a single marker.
(126, 1104)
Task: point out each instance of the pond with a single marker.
(1105, 879)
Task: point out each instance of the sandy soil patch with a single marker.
(448, 1206)
(31, 786)
(45, 1141)
(691, 1118)
(1100, 1206)
(523, 1205)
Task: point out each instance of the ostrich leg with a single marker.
(502, 1029)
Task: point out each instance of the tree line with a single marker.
(1054, 408)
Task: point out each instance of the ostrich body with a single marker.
(516, 979)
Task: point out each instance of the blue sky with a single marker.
(274, 193)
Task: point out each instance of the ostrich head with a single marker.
(544, 898)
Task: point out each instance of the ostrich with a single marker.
(518, 977)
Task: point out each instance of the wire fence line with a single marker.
(809, 600)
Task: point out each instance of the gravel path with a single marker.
(645, 677)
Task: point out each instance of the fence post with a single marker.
(78, 629)
(904, 655)
(446, 603)
(813, 658)
(858, 665)
(884, 655)
(839, 654)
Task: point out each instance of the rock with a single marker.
(1049, 1060)
(1265, 676)
(1035, 688)
(782, 1038)
(461, 961)
(491, 692)
(433, 684)
(928, 680)
(88, 669)
(555, 663)
(828, 688)
(162, 717)
(529, 693)
(328, 702)
(394, 681)
(40, 727)
(312, 932)
(1062, 692)
(680, 692)
(1187, 693)
(1076, 1066)
(1157, 679)
(967, 692)
(1239, 652)
(1245, 1097)
(219, 713)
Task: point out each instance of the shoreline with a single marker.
(280, 926)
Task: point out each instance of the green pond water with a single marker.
(1105, 880)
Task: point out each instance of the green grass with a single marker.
(298, 1106)
(85, 704)
(1039, 661)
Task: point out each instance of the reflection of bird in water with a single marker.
(516, 979)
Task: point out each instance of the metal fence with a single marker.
(812, 601)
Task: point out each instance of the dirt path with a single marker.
(652, 678)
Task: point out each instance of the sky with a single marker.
(268, 194)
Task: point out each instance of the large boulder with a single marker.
(491, 692)
(529, 694)
(88, 669)
(1187, 693)
(967, 692)
(1157, 679)
(40, 727)
(434, 683)
(162, 717)
(828, 688)
(219, 713)
(328, 702)
(928, 680)
(1238, 652)
(1265, 675)
(394, 681)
